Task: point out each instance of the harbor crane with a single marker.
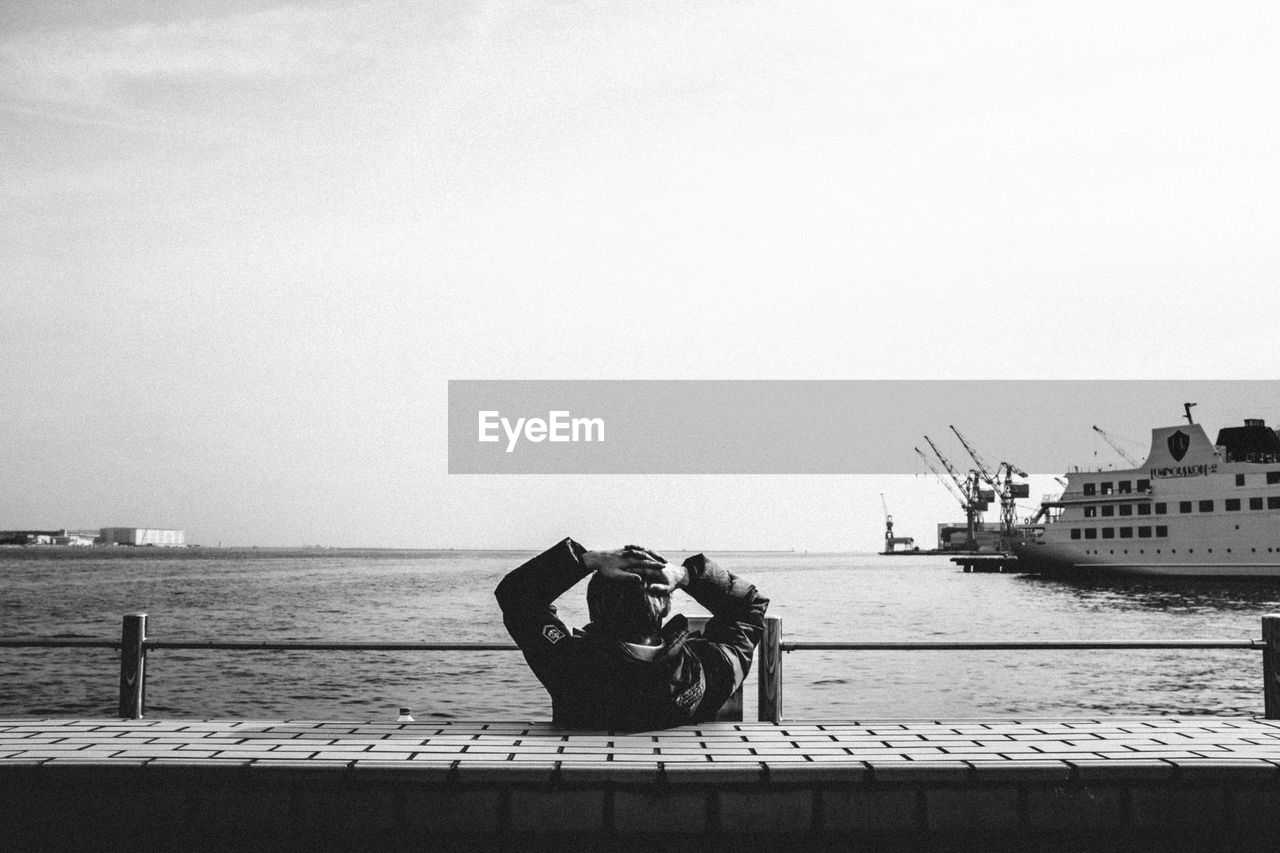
(973, 499)
(891, 541)
(1001, 481)
(1110, 440)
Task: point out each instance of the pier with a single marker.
(983, 563)
(1094, 782)
(1144, 783)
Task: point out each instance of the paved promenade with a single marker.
(1156, 783)
(1055, 747)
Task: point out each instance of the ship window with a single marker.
(1108, 533)
(1273, 477)
(1206, 506)
(1105, 488)
(1255, 503)
(1239, 479)
(1162, 509)
(1162, 531)
(1090, 488)
(1108, 511)
(1091, 533)
(1273, 502)
(1144, 485)
(1144, 509)
(1126, 509)
(1232, 504)
(1091, 511)
(1144, 532)
(1184, 506)
(1075, 533)
(1125, 487)
(1126, 532)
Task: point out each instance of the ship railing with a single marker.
(134, 645)
(1099, 497)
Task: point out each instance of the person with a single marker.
(626, 670)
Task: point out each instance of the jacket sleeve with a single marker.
(526, 595)
(735, 627)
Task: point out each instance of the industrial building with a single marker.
(954, 536)
(142, 536)
(43, 537)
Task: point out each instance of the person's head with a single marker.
(625, 610)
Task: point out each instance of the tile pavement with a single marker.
(887, 749)
(349, 784)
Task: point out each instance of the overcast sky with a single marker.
(245, 245)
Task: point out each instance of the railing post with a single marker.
(769, 684)
(133, 666)
(1271, 666)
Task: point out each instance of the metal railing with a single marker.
(1098, 497)
(134, 645)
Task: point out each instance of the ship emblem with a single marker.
(1178, 444)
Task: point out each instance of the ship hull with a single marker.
(1065, 562)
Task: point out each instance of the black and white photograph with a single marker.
(599, 425)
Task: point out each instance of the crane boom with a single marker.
(934, 468)
(955, 477)
(1001, 481)
(1106, 436)
(988, 476)
(965, 491)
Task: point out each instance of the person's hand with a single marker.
(624, 563)
(662, 577)
(665, 579)
(648, 552)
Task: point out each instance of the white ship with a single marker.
(1194, 508)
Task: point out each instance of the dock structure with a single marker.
(1106, 783)
(983, 563)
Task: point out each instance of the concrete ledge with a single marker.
(85, 804)
(695, 787)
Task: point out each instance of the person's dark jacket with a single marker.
(601, 683)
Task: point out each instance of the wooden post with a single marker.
(133, 666)
(1271, 666)
(770, 672)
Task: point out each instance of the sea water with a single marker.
(447, 596)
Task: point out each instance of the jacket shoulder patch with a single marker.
(553, 634)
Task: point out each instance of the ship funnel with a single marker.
(1254, 422)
